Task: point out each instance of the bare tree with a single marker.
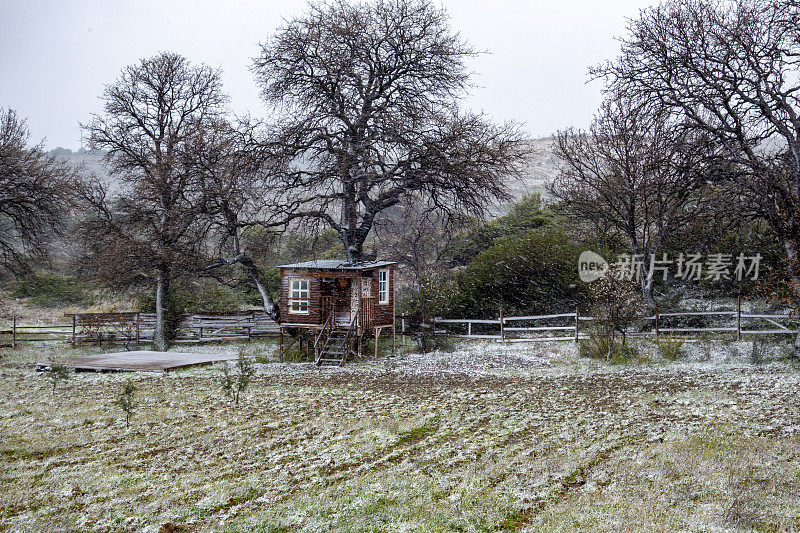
(634, 175)
(417, 236)
(237, 190)
(730, 70)
(367, 96)
(152, 113)
(34, 194)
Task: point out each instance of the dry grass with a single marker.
(416, 444)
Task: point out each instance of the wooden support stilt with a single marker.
(394, 337)
(377, 334)
(285, 349)
(74, 329)
(281, 344)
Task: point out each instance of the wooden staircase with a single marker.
(335, 344)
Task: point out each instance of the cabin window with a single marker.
(383, 286)
(298, 296)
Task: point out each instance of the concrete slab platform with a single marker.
(139, 361)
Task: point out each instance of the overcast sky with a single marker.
(56, 56)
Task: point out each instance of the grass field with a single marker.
(488, 438)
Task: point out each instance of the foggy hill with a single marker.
(542, 168)
(90, 161)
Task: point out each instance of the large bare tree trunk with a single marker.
(253, 273)
(270, 307)
(351, 235)
(160, 332)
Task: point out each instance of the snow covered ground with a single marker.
(489, 437)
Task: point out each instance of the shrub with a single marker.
(757, 352)
(526, 214)
(126, 400)
(428, 342)
(616, 304)
(47, 289)
(234, 384)
(57, 374)
(528, 273)
(599, 347)
(670, 347)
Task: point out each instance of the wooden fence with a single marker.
(135, 329)
(574, 326)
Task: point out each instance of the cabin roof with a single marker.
(336, 264)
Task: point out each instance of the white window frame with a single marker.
(383, 294)
(299, 296)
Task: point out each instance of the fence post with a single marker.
(577, 320)
(657, 322)
(469, 329)
(403, 325)
(739, 317)
(502, 327)
(13, 331)
(74, 329)
(138, 328)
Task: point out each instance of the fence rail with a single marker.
(138, 328)
(569, 326)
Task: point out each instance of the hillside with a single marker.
(542, 168)
(90, 161)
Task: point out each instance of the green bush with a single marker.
(234, 383)
(428, 342)
(598, 348)
(670, 347)
(533, 272)
(527, 214)
(48, 289)
(757, 352)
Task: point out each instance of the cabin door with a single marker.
(355, 292)
(367, 307)
(366, 287)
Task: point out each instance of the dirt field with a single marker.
(484, 439)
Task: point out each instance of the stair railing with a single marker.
(324, 336)
(350, 338)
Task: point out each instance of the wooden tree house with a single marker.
(331, 305)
